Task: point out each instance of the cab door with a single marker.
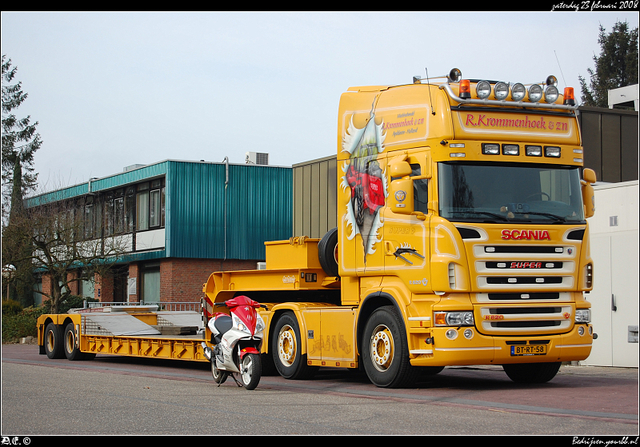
(406, 221)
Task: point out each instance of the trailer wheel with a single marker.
(532, 372)
(385, 353)
(53, 344)
(328, 252)
(286, 345)
(71, 351)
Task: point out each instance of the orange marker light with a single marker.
(465, 89)
(569, 97)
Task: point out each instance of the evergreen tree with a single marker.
(20, 141)
(617, 65)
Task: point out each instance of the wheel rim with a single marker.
(69, 342)
(381, 348)
(218, 375)
(287, 345)
(51, 340)
(247, 369)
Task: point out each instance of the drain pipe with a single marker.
(226, 184)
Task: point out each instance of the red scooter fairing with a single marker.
(244, 308)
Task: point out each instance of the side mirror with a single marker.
(589, 175)
(401, 196)
(399, 169)
(588, 196)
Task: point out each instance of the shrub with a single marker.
(22, 324)
(11, 307)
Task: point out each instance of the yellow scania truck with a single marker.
(462, 239)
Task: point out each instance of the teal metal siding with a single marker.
(102, 184)
(255, 206)
(201, 213)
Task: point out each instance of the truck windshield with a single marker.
(500, 192)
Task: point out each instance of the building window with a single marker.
(130, 209)
(108, 215)
(151, 283)
(118, 212)
(142, 207)
(150, 205)
(89, 219)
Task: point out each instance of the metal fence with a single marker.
(170, 306)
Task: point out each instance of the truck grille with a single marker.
(514, 320)
(501, 268)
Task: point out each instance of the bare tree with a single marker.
(55, 233)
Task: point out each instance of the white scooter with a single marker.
(236, 341)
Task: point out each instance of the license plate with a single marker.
(529, 350)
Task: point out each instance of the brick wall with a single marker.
(181, 280)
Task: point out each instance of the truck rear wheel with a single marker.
(286, 347)
(532, 372)
(328, 252)
(53, 344)
(385, 354)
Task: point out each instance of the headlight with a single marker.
(535, 93)
(453, 318)
(583, 315)
(239, 325)
(517, 92)
(483, 89)
(550, 94)
(260, 324)
(501, 91)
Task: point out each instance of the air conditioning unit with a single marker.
(256, 158)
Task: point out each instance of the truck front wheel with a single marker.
(532, 372)
(385, 354)
(286, 347)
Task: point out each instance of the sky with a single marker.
(114, 89)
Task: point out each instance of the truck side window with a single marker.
(420, 185)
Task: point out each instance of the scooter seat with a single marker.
(223, 324)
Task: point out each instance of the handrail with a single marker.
(493, 102)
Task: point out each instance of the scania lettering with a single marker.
(462, 239)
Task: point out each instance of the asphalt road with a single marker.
(122, 396)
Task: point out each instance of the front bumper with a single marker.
(434, 347)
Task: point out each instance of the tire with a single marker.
(71, 351)
(53, 343)
(285, 347)
(431, 370)
(532, 372)
(385, 353)
(250, 371)
(327, 252)
(218, 375)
